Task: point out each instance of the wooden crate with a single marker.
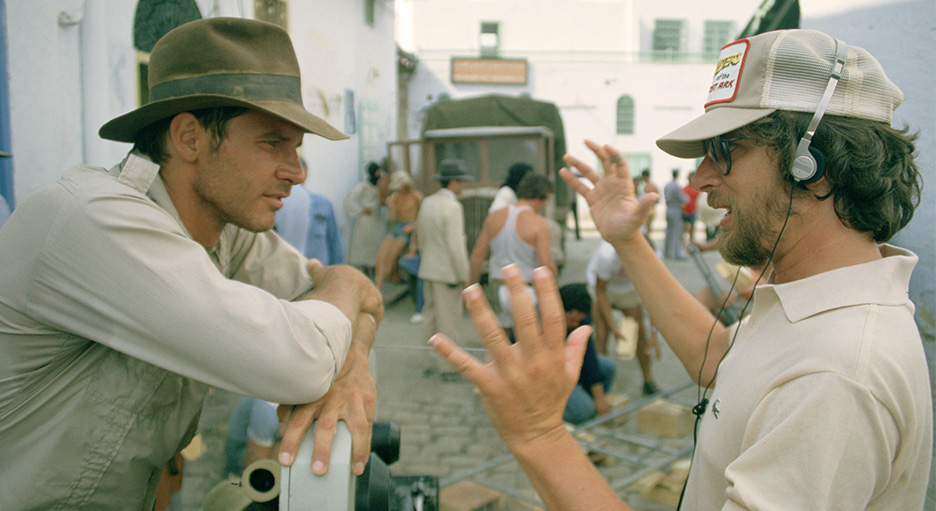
(665, 418)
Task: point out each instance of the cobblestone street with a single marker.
(444, 430)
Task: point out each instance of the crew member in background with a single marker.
(517, 234)
(440, 234)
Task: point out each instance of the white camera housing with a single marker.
(301, 490)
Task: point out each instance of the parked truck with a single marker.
(489, 134)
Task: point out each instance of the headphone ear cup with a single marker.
(808, 165)
(819, 157)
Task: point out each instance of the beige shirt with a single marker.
(113, 322)
(441, 237)
(823, 402)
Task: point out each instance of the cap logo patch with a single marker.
(727, 75)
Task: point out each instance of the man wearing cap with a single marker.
(126, 293)
(440, 233)
(822, 399)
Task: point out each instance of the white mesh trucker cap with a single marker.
(784, 70)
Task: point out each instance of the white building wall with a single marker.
(73, 67)
(583, 55)
(338, 53)
(50, 77)
(905, 47)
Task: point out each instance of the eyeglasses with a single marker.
(719, 150)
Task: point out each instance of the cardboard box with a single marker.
(661, 487)
(665, 418)
(469, 496)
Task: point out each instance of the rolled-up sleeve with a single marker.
(134, 281)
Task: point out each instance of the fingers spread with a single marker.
(575, 350)
(298, 422)
(526, 322)
(461, 361)
(321, 444)
(550, 307)
(361, 432)
(486, 324)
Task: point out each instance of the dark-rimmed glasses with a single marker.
(719, 150)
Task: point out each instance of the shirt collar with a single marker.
(446, 191)
(883, 282)
(140, 173)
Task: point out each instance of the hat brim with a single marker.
(125, 127)
(688, 141)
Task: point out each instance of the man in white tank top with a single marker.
(517, 234)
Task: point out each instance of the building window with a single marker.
(717, 34)
(369, 12)
(669, 39)
(638, 162)
(489, 39)
(625, 115)
(273, 11)
(143, 77)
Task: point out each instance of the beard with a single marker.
(750, 237)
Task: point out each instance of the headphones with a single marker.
(809, 162)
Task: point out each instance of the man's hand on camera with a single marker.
(352, 398)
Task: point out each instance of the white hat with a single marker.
(784, 70)
(399, 179)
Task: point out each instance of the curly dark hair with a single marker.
(373, 172)
(151, 140)
(534, 186)
(875, 182)
(515, 174)
(575, 297)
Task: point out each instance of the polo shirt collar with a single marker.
(882, 282)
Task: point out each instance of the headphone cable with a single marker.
(702, 400)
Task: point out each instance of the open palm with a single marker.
(612, 200)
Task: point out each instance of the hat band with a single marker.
(243, 86)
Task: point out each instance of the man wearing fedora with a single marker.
(126, 293)
(822, 397)
(440, 233)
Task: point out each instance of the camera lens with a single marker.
(262, 480)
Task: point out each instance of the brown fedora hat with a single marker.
(222, 62)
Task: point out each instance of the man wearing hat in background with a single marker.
(822, 396)
(440, 234)
(126, 293)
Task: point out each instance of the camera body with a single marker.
(300, 488)
(265, 485)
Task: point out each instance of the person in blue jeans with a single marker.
(252, 434)
(588, 398)
(410, 264)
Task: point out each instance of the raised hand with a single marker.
(615, 209)
(525, 387)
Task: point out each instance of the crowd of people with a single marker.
(201, 260)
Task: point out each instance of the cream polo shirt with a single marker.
(113, 322)
(823, 402)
